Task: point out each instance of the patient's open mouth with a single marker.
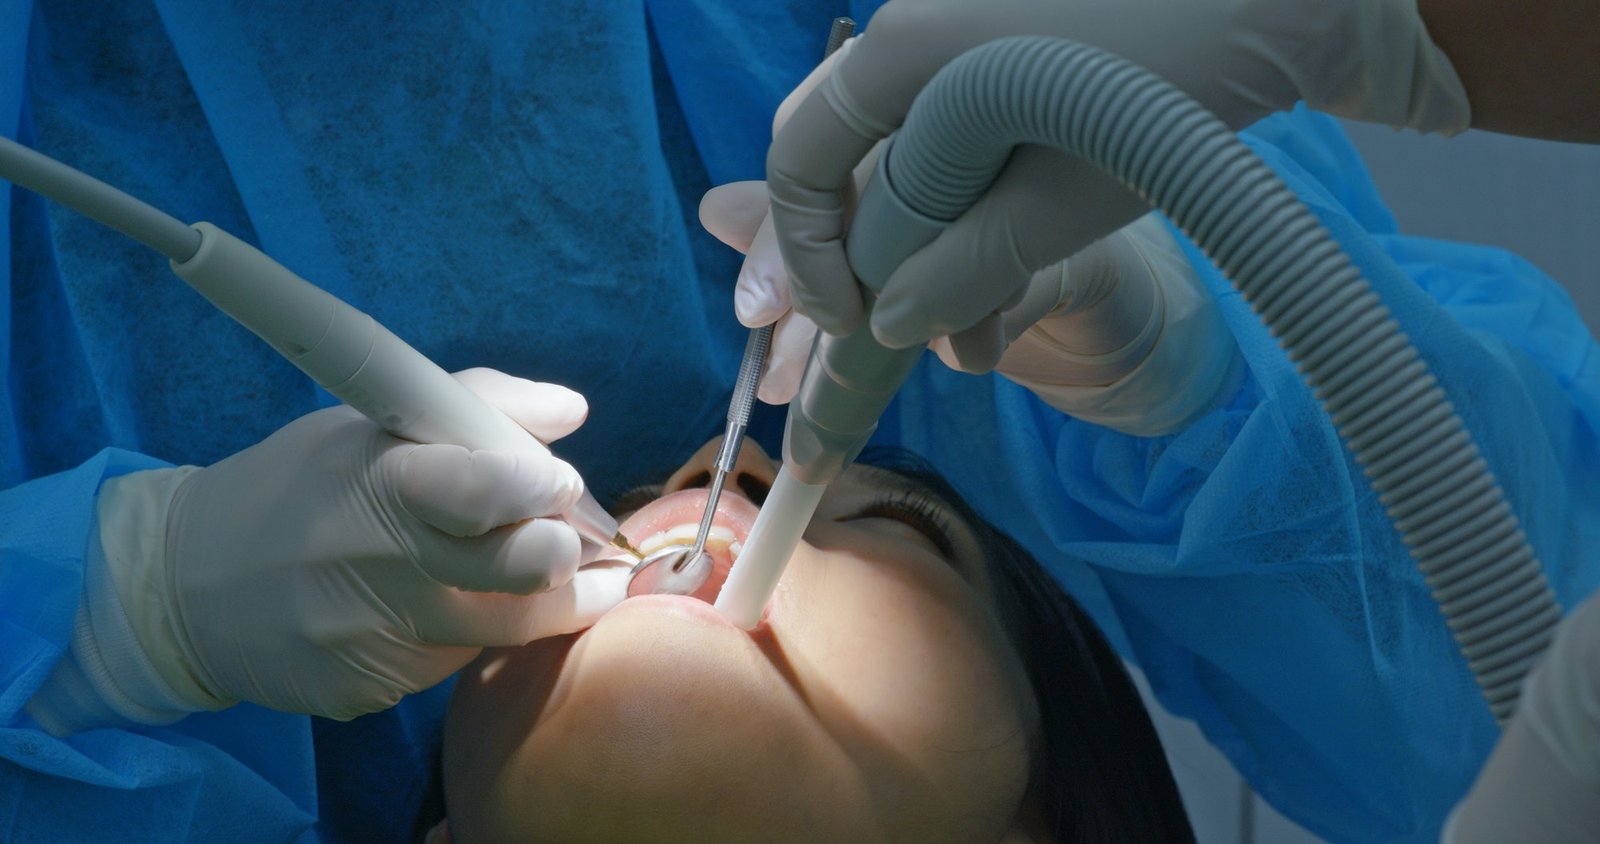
(674, 519)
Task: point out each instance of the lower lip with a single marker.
(690, 606)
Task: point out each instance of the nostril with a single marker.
(695, 481)
(754, 488)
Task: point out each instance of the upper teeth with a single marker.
(684, 534)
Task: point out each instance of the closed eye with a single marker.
(915, 511)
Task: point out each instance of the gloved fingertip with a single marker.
(894, 335)
(572, 488)
(575, 414)
(779, 387)
(579, 604)
(941, 347)
(571, 399)
(980, 348)
(755, 305)
(564, 411)
(542, 557)
(599, 589)
(553, 486)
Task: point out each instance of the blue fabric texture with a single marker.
(1245, 564)
(515, 186)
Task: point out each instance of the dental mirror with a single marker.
(674, 570)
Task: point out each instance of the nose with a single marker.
(752, 475)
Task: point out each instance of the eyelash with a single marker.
(914, 511)
(636, 498)
(908, 508)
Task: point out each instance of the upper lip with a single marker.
(688, 506)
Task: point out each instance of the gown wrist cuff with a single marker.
(106, 678)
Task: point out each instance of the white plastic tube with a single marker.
(767, 549)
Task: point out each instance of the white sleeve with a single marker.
(1181, 361)
(1542, 783)
(106, 679)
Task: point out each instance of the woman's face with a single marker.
(878, 700)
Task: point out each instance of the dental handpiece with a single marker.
(363, 363)
(341, 348)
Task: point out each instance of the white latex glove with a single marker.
(736, 214)
(330, 569)
(1122, 334)
(1542, 783)
(1366, 59)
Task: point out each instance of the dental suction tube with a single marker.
(1143, 131)
(826, 441)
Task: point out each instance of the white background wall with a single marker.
(1536, 198)
(1222, 808)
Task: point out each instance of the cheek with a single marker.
(909, 667)
(497, 702)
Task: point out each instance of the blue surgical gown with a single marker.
(514, 185)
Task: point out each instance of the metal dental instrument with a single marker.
(681, 569)
(341, 348)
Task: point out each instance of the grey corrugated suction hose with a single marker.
(1387, 407)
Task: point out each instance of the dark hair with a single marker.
(1099, 773)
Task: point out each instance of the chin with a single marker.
(674, 654)
(663, 722)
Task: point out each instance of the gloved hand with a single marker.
(330, 569)
(1122, 334)
(736, 214)
(1542, 783)
(1366, 59)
